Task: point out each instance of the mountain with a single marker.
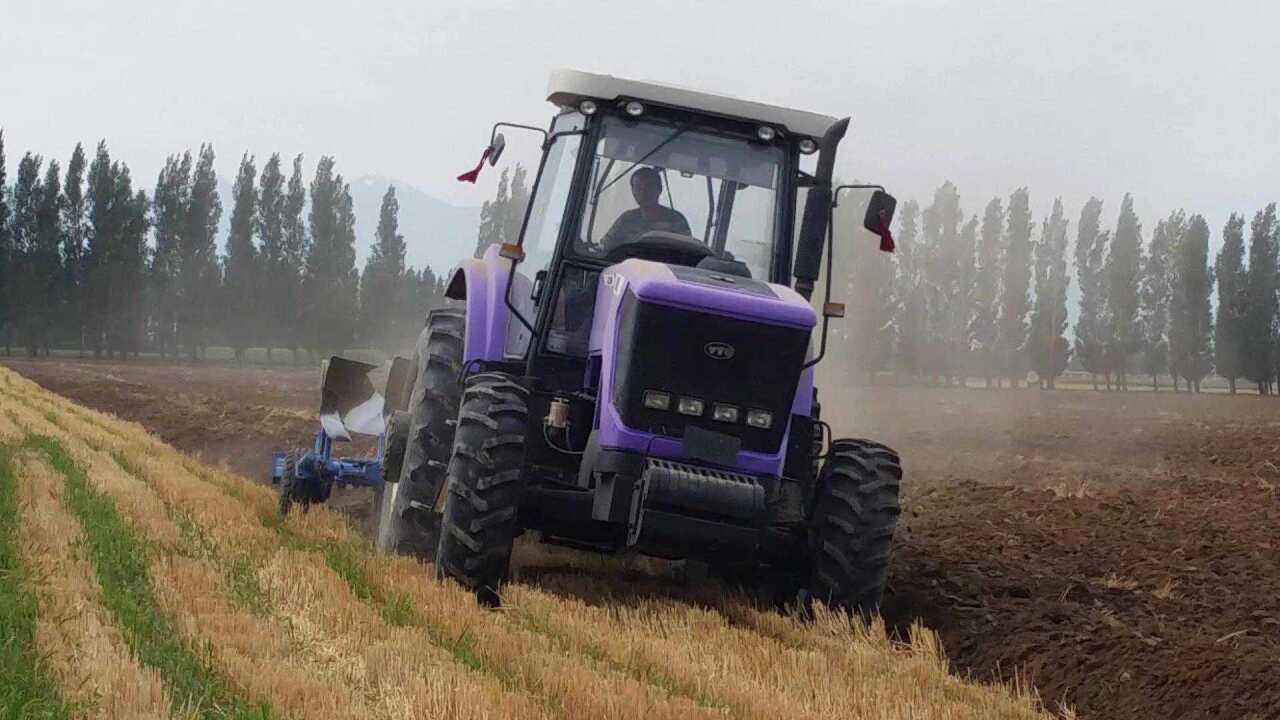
(436, 234)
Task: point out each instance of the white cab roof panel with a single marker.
(570, 87)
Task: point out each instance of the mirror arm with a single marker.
(493, 134)
(835, 202)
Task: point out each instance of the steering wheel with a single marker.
(661, 246)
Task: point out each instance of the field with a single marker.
(1115, 552)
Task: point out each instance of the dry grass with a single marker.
(73, 632)
(304, 614)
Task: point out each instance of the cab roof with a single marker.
(570, 87)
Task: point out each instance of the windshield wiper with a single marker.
(679, 131)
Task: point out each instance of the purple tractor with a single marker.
(635, 374)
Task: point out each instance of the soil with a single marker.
(1119, 552)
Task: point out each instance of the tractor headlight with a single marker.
(724, 413)
(762, 419)
(655, 400)
(691, 406)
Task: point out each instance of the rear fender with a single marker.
(482, 285)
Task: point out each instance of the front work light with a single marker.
(690, 406)
(588, 107)
(655, 400)
(724, 413)
(762, 419)
(634, 109)
(766, 133)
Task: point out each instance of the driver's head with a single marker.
(646, 186)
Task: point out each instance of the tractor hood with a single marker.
(708, 292)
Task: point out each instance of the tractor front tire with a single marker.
(407, 522)
(485, 485)
(855, 513)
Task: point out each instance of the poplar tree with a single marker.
(986, 289)
(73, 227)
(1261, 315)
(6, 254)
(1014, 301)
(25, 292)
(170, 201)
(126, 263)
(911, 316)
(1233, 286)
(1124, 262)
(1191, 322)
(1091, 248)
(271, 285)
(381, 287)
(198, 273)
(45, 263)
(100, 236)
(1050, 350)
(294, 249)
(1155, 293)
(940, 225)
(241, 273)
(329, 280)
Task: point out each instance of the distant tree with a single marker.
(1233, 287)
(1014, 301)
(101, 221)
(986, 289)
(199, 276)
(500, 218)
(940, 225)
(170, 202)
(44, 264)
(1260, 321)
(242, 274)
(6, 254)
(1155, 294)
(25, 292)
(1124, 263)
(865, 339)
(1091, 248)
(270, 229)
(1050, 350)
(74, 231)
(381, 287)
(911, 318)
(1191, 321)
(329, 281)
(127, 266)
(294, 249)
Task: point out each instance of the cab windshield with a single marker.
(656, 182)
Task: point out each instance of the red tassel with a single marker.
(886, 237)
(470, 176)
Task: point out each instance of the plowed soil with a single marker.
(1118, 551)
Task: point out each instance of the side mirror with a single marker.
(880, 210)
(496, 147)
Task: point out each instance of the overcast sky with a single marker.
(1176, 102)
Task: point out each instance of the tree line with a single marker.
(89, 261)
(969, 295)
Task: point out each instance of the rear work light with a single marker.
(762, 419)
(655, 400)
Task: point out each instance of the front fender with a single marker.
(482, 285)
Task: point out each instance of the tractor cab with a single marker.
(658, 173)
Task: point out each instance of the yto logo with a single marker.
(718, 350)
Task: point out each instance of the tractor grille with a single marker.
(672, 350)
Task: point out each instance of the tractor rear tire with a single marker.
(855, 513)
(485, 485)
(407, 521)
(289, 482)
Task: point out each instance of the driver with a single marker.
(646, 188)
